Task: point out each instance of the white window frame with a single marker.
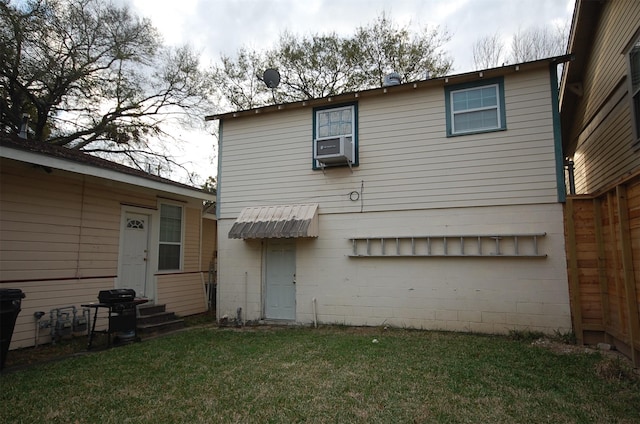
(495, 107)
(335, 109)
(450, 91)
(171, 243)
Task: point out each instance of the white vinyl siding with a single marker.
(406, 160)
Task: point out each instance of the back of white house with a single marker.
(445, 212)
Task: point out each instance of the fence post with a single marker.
(602, 268)
(629, 276)
(574, 276)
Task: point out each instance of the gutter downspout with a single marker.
(24, 126)
(315, 313)
(561, 188)
(572, 177)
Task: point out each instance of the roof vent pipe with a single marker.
(391, 79)
(24, 126)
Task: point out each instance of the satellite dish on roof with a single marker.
(271, 78)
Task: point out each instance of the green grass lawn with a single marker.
(326, 375)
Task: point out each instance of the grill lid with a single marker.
(116, 295)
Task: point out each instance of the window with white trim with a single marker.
(475, 107)
(335, 122)
(170, 247)
(634, 78)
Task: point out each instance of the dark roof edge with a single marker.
(49, 153)
(432, 82)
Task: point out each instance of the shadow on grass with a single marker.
(76, 346)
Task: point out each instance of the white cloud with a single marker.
(222, 27)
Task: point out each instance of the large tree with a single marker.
(383, 47)
(237, 79)
(320, 65)
(93, 76)
(313, 66)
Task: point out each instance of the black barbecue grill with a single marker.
(121, 305)
(115, 296)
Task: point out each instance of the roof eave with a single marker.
(433, 82)
(585, 20)
(86, 169)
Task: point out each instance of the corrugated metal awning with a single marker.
(285, 221)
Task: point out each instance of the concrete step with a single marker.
(148, 330)
(150, 309)
(156, 318)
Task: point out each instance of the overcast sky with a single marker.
(222, 26)
(215, 27)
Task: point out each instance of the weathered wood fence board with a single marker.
(603, 259)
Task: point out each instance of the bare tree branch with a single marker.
(488, 52)
(538, 42)
(88, 71)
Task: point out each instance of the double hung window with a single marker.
(334, 123)
(477, 107)
(170, 248)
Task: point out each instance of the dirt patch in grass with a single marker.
(48, 352)
(562, 348)
(613, 366)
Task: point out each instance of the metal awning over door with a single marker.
(283, 221)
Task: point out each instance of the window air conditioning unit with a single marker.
(331, 151)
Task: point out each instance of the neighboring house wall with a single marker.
(601, 222)
(60, 237)
(412, 180)
(210, 258)
(209, 242)
(601, 130)
(183, 291)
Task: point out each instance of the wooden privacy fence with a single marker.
(603, 254)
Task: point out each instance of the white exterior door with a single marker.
(134, 254)
(280, 299)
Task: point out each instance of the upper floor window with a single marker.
(634, 77)
(475, 107)
(333, 124)
(170, 248)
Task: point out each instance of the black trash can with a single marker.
(10, 301)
